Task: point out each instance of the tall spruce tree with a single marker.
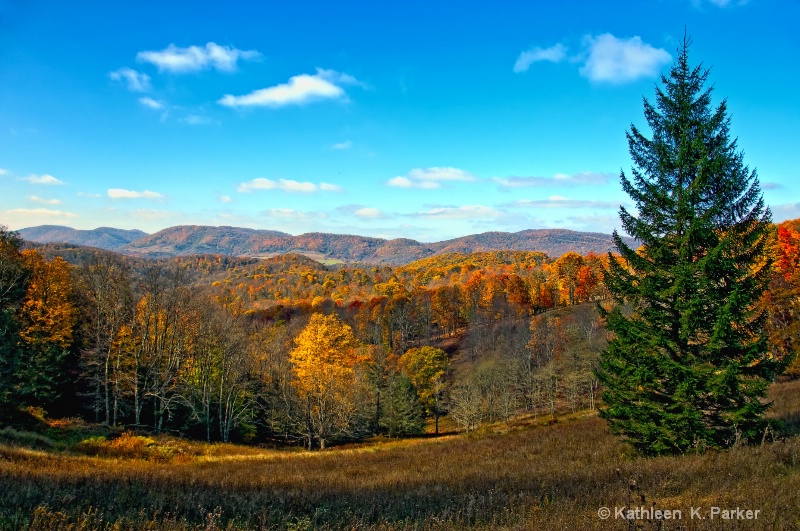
(688, 367)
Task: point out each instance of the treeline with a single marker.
(338, 354)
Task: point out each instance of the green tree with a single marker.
(425, 367)
(13, 280)
(47, 317)
(402, 412)
(687, 367)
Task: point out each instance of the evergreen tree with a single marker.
(403, 415)
(13, 280)
(687, 367)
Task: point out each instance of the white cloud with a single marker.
(559, 179)
(151, 103)
(136, 81)
(286, 213)
(225, 199)
(327, 187)
(27, 217)
(347, 144)
(369, 213)
(462, 212)
(604, 58)
(294, 215)
(772, 186)
(147, 214)
(616, 60)
(429, 178)
(556, 201)
(297, 186)
(3, 171)
(301, 89)
(195, 58)
(120, 193)
(48, 180)
(37, 199)
(87, 194)
(598, 223)
(287, 185)
(554, 54)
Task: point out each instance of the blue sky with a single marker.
(425, 120)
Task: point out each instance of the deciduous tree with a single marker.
(324, 362)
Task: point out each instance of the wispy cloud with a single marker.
(151, 103)
(369, 213)
(37, 199)
(3, 171)
(299, 90)
(428, 178)
(616, 60)
(178, 60)
(347, 144)
(197, 119)
(225, 199)
(603, 58)
(772, 186)
(557, 180)
(40, 212)
(87, 194)
(47, 180)
(294, 215)
(149, 214)
(121, 193)
(554, 54)
(785, 211)
(462, 212)
(556, 201)
(287, 185)
(136, 81)
(592, 223)
(719, 3)
(362, 212)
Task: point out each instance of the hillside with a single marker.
(529, 474)
(552, 242)
(236, 241)
(103, 237)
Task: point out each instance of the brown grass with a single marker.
(541, 477)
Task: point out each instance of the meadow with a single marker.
(529, 474)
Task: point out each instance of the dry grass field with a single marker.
(527, 476)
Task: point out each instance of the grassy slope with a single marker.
(542, 477)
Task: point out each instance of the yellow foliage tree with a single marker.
(47, 316)
(324, 364)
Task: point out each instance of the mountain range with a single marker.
(186, 240)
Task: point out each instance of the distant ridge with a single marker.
(186, 240)
(103, 237)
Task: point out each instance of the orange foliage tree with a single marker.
(47, 316)
(783, 299)
(324, 364)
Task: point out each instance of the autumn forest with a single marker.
(289, 350)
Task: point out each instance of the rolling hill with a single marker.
(236, 241)
(103, 237)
